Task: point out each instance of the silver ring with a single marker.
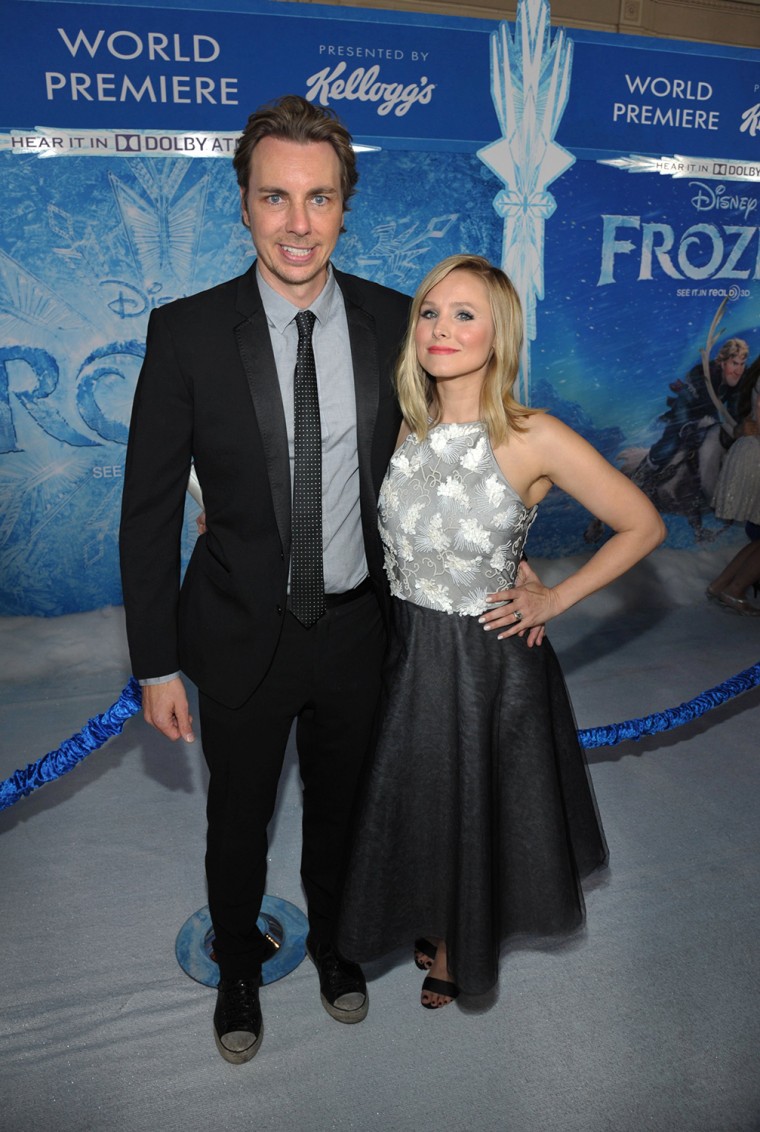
(517, 615)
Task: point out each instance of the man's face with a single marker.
(294, 208)
(733, 368)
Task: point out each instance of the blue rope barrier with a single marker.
(103, 727)
(93, 735)
(615, 733)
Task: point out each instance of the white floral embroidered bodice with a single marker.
(453, 528)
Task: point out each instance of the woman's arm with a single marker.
(551, 453)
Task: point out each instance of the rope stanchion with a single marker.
(103, 727)
(615, 733)
(55, 763)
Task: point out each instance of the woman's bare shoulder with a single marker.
(541, 427)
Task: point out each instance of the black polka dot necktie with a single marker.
(307, 583)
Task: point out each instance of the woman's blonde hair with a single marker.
(417, 392)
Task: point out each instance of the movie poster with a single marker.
(658, 216)
(622, 198)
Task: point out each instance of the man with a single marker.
(269, 629)
(690, 411)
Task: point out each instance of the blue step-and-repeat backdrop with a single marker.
(617, 179)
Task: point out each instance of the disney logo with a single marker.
(328, 86)
(708, 198)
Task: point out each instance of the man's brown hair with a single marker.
(292, 118)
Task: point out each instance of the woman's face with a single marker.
(733, 368)
(455, 333)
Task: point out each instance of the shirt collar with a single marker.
(281, 312)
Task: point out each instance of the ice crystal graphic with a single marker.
(530, 83)
(399, 245)
(26, 298)
(163, 227)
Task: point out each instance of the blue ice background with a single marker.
(88, 246)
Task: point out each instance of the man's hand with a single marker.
(165, 708)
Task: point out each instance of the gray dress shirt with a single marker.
(345, 564)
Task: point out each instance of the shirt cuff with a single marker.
(158, 679)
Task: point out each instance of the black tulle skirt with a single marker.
(478, 818)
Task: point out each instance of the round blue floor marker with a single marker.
(284, 926)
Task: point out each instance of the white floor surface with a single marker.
(647, 1023)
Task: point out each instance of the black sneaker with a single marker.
(238, 1026)
(342, 984)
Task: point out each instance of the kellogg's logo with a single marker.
(328, 85)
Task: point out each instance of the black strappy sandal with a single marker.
(439, 986)
(424, 947)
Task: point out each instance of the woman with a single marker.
(737, 493)
(737, 499)
(735, 579)
(478, 816)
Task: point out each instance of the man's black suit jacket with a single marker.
(208, 391)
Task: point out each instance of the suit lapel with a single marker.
(363, 338)
(255, 349)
